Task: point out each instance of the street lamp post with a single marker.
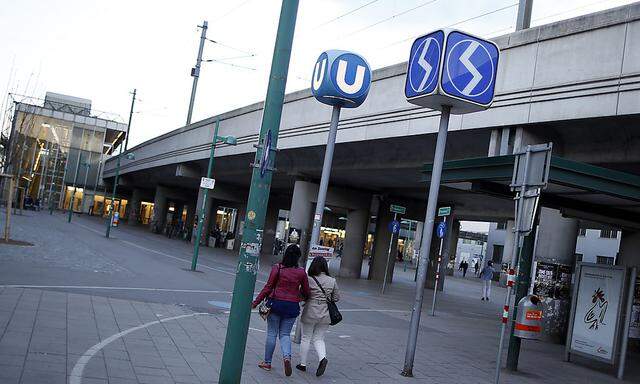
(75, 182)
(230, 140)
(130, 156)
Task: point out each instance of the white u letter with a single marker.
(341, 78)
(318, 73)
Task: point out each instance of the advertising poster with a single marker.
(634, 328)
(597, 306)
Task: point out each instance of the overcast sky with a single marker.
(101, 50)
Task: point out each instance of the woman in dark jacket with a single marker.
(286, 287)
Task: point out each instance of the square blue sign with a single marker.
(424, 65)
(469, 68)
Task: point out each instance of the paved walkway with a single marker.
(79, 308)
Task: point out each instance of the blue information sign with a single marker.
(441, 229)
(394, 226)
(470, 68)
(454, 69)
(424, 65)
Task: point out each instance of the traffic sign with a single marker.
(454, 69)
(470, 68)
(207, 183)
(444, 211)
(394, 226)
(341, 78)
(441, 230)
(424, 65)
(399, 209)
(266, 154)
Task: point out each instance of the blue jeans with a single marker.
(278, 327)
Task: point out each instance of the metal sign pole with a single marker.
(326, 172)
(514, 257)
(386, 268)
(435, 288)
(425, 245)
(627, 320)
(205, 197)
(247, 270)
(75, 181)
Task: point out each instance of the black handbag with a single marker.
(334, 313)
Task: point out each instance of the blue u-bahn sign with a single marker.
(449, 67)
(341, 78)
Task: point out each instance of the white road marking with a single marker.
(78, 368)
(89, 287)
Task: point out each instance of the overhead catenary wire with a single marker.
(229, 64)
(230, 47)
(390, 18)
(456, 23)
(345, 14)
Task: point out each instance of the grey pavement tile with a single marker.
(38, 377)
(119, 368)
(187, 380)
(144, 379)
(117, 354)
(149, 361)
(151, 371)
(48, 347)
(92, 380)
(10, 373)
(95, 368)
(118, 380)
(12, 359)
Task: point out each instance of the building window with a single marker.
(608, 234)
(466, 241)
(605, 260)
(579, 257)
(582, 232)
(502, 225)
(497, 253)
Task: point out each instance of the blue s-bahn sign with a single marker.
(449, 67)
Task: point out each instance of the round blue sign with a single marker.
(341, 78)
(441, 230)
(394, 226)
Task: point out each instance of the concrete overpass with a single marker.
(575, 83)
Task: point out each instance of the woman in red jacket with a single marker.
(287, 286)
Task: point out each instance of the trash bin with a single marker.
(529, 318)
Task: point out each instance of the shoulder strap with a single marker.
(320, 286)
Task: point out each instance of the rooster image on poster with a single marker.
(595, 315)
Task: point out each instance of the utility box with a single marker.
(529, 318)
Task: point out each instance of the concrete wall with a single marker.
(574, 69)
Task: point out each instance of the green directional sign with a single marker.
(399, 209)
(444, 211)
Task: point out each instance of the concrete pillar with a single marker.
(556, 243)
(159, 208)
(507, 251)
(300, 215)
(629, 254)
(134, 207)
(355, 239)
(381, 245)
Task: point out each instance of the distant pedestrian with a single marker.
(476, 268)
(315, 318)
(286, 287)
(465, 266)
(486, 275)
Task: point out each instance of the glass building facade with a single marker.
(56, 152)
